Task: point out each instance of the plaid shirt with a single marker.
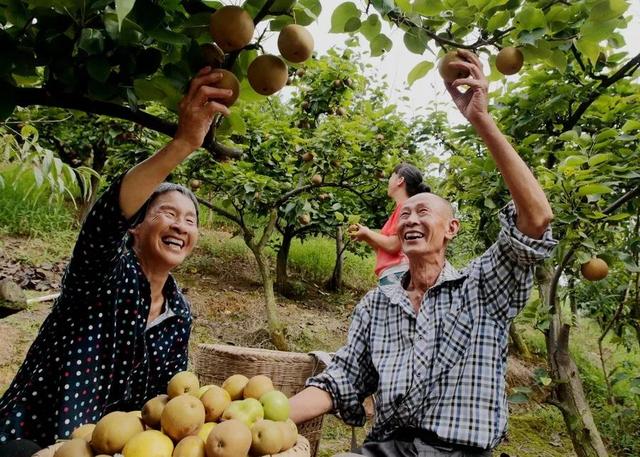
(442, 370)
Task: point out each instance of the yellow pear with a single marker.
(152, 410)
(189, 446)
(235, 385)
(113, 431)
(203, 389)
(266, 438)
(295, 43)
(204, 431)
(231, 27)
(230, 438)
(257, 387)
(215, 401)
(184, 382)
(595, 269)
(228, 81)
(77, 447)
(84, 431)
(289, 434)
(447, 71)
(151, 443)
(509, 61)
(183, 416)
(267, 74)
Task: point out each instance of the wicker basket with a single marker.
(287, 370)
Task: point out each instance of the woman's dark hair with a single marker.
(414, 183)
(164, 188)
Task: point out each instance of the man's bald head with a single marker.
(434, 201)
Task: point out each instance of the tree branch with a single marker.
(28, 96)
(626, 70)
(553, 287)
(268, 230)
(221, 211)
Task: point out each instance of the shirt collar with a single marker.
(397, 293)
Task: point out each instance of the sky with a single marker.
(399, 61)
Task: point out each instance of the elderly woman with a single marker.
(120, 328)
(432, 348)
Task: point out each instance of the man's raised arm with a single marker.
(532, 207)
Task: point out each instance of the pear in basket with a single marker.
(235, 385)
(84, 431)
(184, 382)
(189, 446)
(266, 438)
(289, 434)
(183, 416)
(203, 389)
(276, 406)
(230, 438)
(77, 447)
(152, 410)
(204, 431)
(113, 431)
(215, 401)
(257, 387)
(148, 444)
(247, 411)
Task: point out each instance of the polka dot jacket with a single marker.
(94, 353)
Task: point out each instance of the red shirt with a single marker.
(385, 259)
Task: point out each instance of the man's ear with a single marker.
(452, 229)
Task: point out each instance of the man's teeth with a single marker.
(413, 235)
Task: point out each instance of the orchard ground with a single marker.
(222, 283)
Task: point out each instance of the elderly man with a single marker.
(433, 349)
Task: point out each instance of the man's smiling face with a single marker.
(426, 225)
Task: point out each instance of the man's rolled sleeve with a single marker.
(351, 376)
(521, 248)
(505, 271)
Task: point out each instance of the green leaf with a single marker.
(428, 7)
(352, 24)
(415, 40)
(605, 135)
(530, 18)
(146, 90)
(169, 37)
(605, 10)
(371, 27)
(123, 8)
(341, 16)
(419, 71)
(600, 158)
(631, 125)
(278, 23)
(559, 60)
(234, 122)
(91, 41)
(306, 11)
(594, 189)
(380, 44)
(518, 398)
(500, 19)
(569, 135)
(98, 68)
(597, 31)
(590, 49)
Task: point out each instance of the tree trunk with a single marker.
(282, 259)
(519, 344)
(335, 282)
(568, 393)
(276, 327)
